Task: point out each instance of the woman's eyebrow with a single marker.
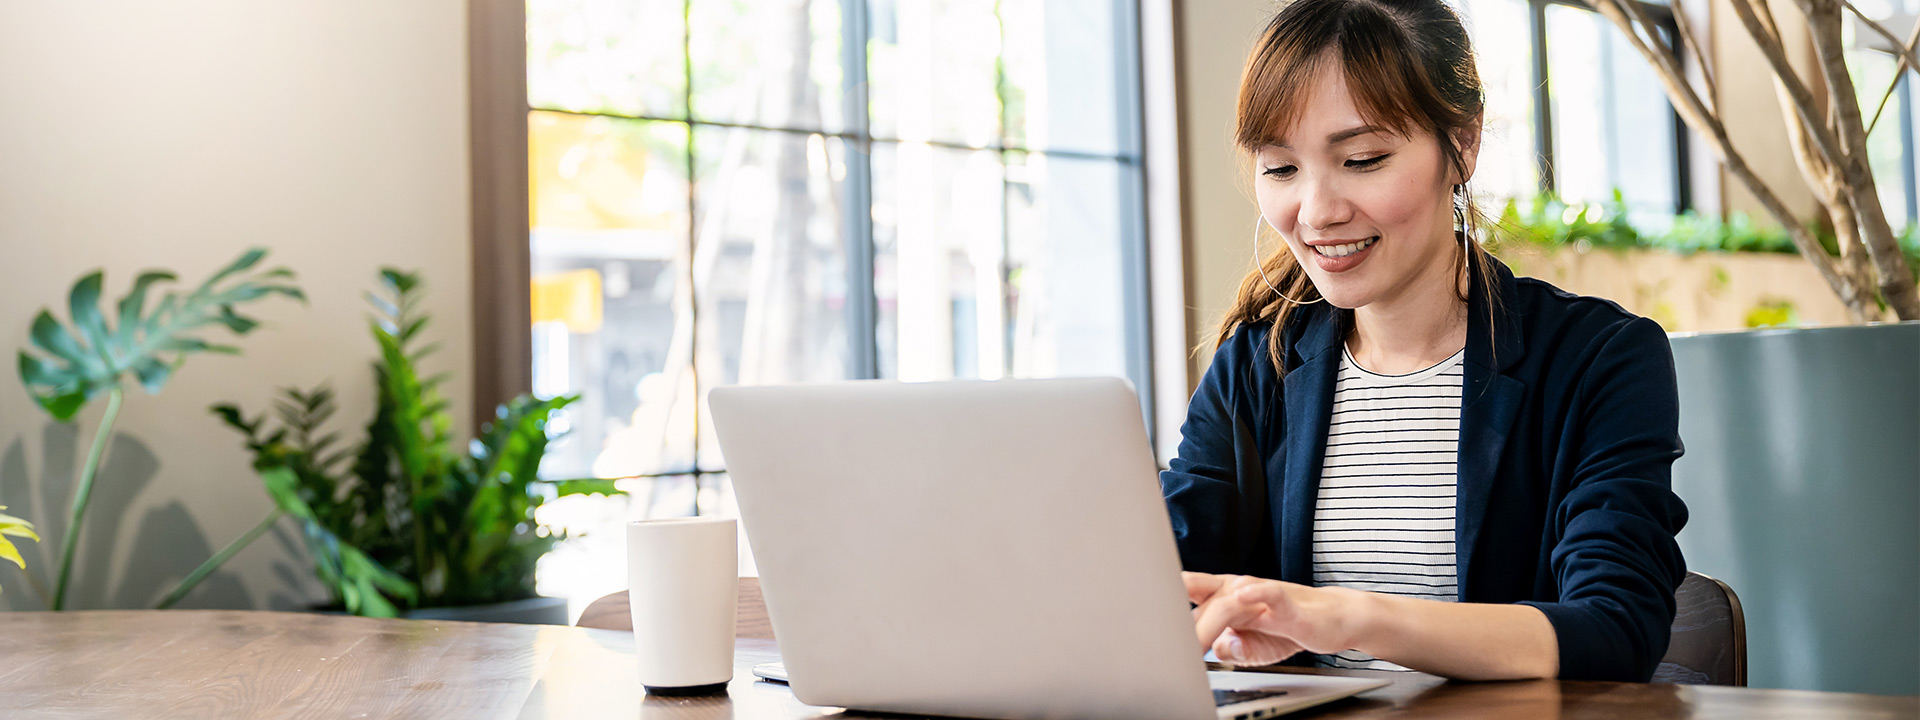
(1339, 137)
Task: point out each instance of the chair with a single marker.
(1709, 641)
(610, 613)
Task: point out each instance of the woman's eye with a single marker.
(1279, 172)
(1366, 162)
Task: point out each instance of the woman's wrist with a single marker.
(1369, 617)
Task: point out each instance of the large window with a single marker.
(1574, 109)
(732, 192)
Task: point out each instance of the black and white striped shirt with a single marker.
(1384, 519)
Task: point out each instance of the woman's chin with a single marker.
(1344, 295)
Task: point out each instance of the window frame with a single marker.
(501, 214)
(1543, 97)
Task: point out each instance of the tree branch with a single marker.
(1685, 26)
(1766, 37)
(1904, 50)
(1883, 249)
(1696, 115)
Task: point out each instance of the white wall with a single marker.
(175, 135)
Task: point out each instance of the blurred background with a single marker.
(634, 201)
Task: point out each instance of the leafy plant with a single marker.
(70, 365)
(1773, 313)
(10, 525)
(1551, 224)
(407, 517)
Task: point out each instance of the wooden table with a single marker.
(221, 664)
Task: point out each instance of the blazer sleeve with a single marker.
(1215, 488)
(1616, 560)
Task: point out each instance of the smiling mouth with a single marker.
(1340, 251)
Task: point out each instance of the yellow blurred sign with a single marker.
(571, 297)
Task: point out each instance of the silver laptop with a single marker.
(981, 549)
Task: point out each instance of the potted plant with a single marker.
(1803, 445)
(408, 521)
(68, 366)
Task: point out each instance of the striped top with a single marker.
(1384, 518)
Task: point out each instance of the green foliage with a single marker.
(1548, 223)
(78, 361)
(75, 363)
(406, 517)
(1773, 313)
(10, 525)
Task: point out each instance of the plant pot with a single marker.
(1802, 478)
(531, 611)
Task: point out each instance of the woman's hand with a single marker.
(1255, 621)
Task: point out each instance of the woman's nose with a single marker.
(1322, 207)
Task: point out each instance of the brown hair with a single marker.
(1410, 68)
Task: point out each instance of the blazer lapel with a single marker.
(1308, 390)
(1489, 403)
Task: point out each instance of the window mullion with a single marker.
(863, 353)
(1542, 97)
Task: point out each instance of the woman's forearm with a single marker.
(1468, 641)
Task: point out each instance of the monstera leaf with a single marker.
(93, 354)
(70, 364)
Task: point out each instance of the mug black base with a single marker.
(711, 689)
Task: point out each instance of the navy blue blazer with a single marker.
(1569, 427)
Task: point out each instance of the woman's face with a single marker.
(1367, 212)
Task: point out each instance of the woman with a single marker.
(1431, 465)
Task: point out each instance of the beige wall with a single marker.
(175, 135)
(1702, 292)
(1752, 113)
(1215, 37)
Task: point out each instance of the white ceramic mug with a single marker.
(683, 580)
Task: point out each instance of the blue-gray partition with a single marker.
(1802, 474)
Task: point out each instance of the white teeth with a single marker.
(1340, 251)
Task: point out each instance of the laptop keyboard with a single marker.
(1223, 698)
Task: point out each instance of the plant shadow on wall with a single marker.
(166, 543)
(405, 518)
(66, 367)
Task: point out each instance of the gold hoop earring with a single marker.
(1261, 268)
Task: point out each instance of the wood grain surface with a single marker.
(613, 612)
(230, 664)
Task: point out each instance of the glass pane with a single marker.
(623, 57)
(932, 70)
(1508, 166)
(1613, 127)
(1065, 71)
(770, 269)
(771, 63)
(609, 254)
(939, 262)
(1067, 314)
(1872, 71)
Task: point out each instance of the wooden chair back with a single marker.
(611, 613)
(1709, 641)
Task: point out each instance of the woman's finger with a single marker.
(1251, 649)
(1223, 610)
(1201, 586)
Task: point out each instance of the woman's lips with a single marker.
(1346, 262)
